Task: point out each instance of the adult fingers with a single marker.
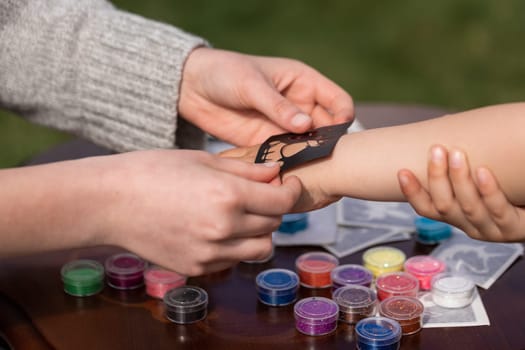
(263, 172)
(334, 99)
(264, 97)
(265, 199)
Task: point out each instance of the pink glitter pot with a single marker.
(316, 316)
(424, 268)
(125, 271)
(396, 284)
(158, 281)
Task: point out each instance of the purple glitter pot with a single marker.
(125, 271)
(316, 316)
(353, 274)
(277, 287)
(186, 304)
(355, 303)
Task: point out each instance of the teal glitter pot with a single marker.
(293, 223)
(431, 231)
(277, 287)
(82, 277)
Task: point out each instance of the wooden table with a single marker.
(35, 313)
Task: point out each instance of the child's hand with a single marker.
(477, 206)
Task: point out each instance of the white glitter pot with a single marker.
(452, 291)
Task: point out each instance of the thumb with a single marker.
(269, 101)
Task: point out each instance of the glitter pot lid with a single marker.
(406, 310)
(82, 277)
(316, 315)
(277, 287)
(314, 269)
(383, 259)
(377, 332)
(396, 283)
(186, 304)
(125, 271)
(431, 231)
(424, 267)
(351, 274)
(355, 303)
(452, 291)
(292, 223)
(159, 281)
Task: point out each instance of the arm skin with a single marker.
(150, 203)
(365, 164)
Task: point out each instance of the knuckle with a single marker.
(444, 208)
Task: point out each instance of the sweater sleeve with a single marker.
(85, 67)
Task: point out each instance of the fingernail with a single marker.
(269, 164)
(403, 179)
(301, 119)
(456, 159)
(482, 174)
(437, 155)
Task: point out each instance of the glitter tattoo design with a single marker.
(290, 150)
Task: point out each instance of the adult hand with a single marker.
(244, 99)
(477, 206)
(191, 211)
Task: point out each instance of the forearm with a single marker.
(365, 164)
(51, 207)
(88, 68)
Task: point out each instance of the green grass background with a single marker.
(456, 54)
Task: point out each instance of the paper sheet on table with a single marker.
(435, 316)
(352, 239)
(482, 262)
(322, 229)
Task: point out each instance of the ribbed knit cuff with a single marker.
(131, 69)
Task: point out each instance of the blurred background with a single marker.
(455, 54)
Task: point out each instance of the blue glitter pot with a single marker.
(431, 231)
(316, 316)
(377, 333)
(293, 223)
(277, 287)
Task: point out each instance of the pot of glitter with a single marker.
(158, 281)
(396, 284)
(316, 316)
(186, 304)
(407, 311)
(82, 277)
(424, 268)
(351, 274)
(377, 333)
(452, 291)
(314, 269)
(383, 259)
(277, 287)
(355, 303)
(292, 223)
(430, 231)
(125, 271)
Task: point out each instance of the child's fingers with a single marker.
(467, 196)
(505, 215)
(439, 186)
(416, 195)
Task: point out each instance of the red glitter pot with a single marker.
(314, 269)
(396, 284)
(316, 316)
(158, 281)
(125, 271)
(424, 267)
(407, 311)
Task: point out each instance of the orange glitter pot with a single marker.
(315, 268)
(407, 311)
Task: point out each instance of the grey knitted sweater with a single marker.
(87, 68)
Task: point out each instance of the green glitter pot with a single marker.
(82, 277)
